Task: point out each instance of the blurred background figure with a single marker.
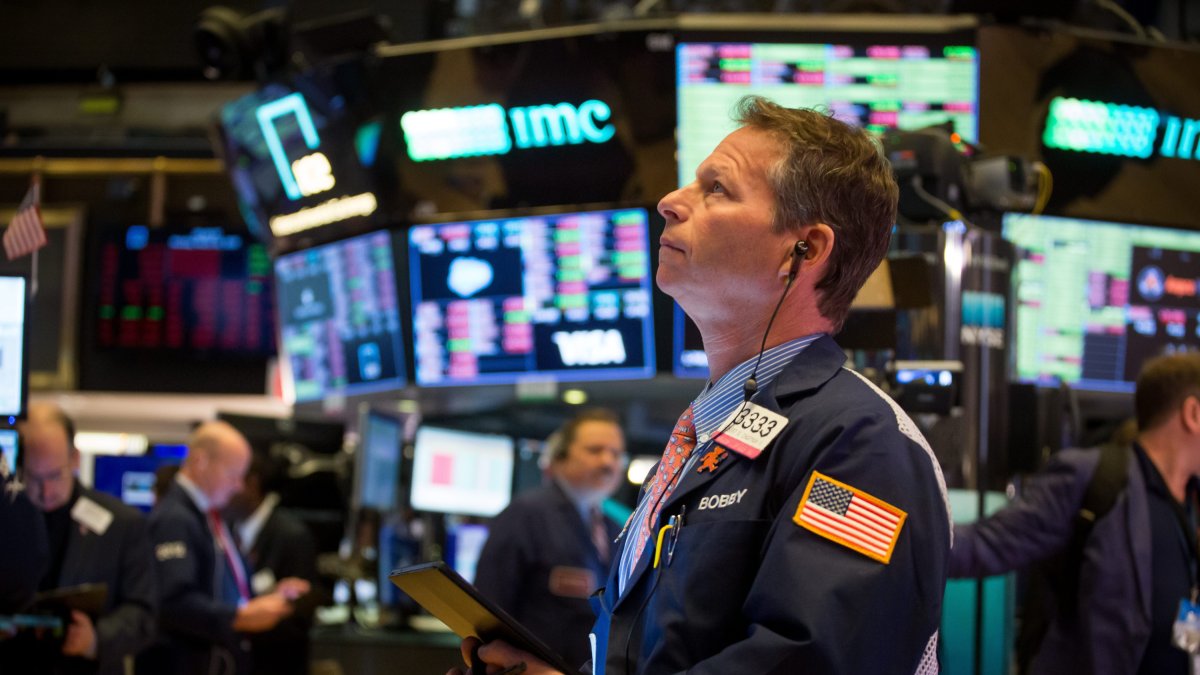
(277, 545)
(93, 538)
(550, 549)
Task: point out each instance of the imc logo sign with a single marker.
(450, 133)
(1080, 125)
(309, 175)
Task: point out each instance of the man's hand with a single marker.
(499, 656)
(262, 613)
(292, 587)
(81, 636)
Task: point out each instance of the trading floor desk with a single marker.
(364, 651)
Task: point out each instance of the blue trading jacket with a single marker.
(1109, 629)
(747, 590)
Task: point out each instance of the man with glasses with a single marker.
(94, 538)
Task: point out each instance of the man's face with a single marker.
(593, 460)
(719, 247)
(223, 473)
(49, 466)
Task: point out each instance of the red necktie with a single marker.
(231, 556)
(599, 535)
(679, 448)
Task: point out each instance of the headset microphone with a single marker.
(799, 250)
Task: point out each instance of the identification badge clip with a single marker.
(750, 429)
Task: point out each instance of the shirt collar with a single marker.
(250, 529)
(193, 492)
(719, 400)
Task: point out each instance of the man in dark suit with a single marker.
(94, 538)
(277, 545)
(208, 608)
(550, 548)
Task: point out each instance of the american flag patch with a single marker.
(850, 517)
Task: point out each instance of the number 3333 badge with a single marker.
(750, 429)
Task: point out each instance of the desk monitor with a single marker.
(14, 346)
(904, 83)
(461, 472)
(340, 318)
(688, 352)
(1095, 300)
(10, 448)
(129, 478)
(565, 295)
(379, 461)
(464, 544)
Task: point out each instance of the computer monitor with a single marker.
(14, 346)
(339, 318)
(464, 544)
(564, 295)
(904, 83)
(129, 478)
(461, 472)
(379, 461)
(10, 448)
(1095, 300)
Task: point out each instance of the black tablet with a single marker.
(459, 605)
(87, 598)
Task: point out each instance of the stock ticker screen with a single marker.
(877, 86)
(339, 317)
(565, 296)
(1095, 300)
(198, 290)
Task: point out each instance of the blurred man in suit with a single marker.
(277, 545)
(94, 538)
(551, 547)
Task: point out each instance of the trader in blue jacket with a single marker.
(797, 522)
(1139, 559)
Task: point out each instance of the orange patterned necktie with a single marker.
(679, 448)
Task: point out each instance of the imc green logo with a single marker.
(450, 133)
(1080, 125)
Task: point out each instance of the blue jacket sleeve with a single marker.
(1034, 526)
(187, 607)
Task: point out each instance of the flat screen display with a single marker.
(464, 544)
(878, 86)
(689, 357)
(9, 447)
(461, 472)
(191, 291)
(339, 317)
(14, 368)
(129, 478)
(564, 295)
(379, 463)
(1095, 299)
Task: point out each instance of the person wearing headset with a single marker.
(551, 548)
(798, 522)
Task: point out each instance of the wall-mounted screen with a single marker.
(379, 461)
(129, 478)
(14, 347)
(188, 290)
(565, 295)
(340, 318)
(878, 86)
(1095, 300)
(461, 472)
(9, 448)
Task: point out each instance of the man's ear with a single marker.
(820, 241)
(1191, 414)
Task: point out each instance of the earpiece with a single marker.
(798, 252)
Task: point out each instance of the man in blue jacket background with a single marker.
(1138, 560)
(798, 521)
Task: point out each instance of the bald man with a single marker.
(207, 604)
(94, 538)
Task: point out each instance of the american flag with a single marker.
(850, 517)
(25, 233)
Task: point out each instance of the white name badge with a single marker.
(750, 429)
(91, 515)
